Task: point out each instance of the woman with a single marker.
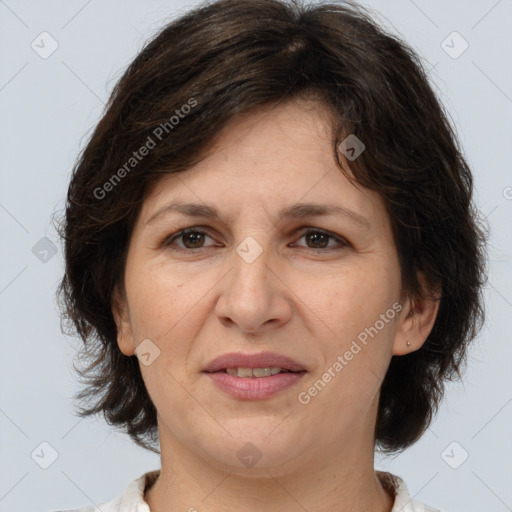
(273, 259)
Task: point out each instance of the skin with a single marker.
(293, 300)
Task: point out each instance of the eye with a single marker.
(320, 240)
(192, 238)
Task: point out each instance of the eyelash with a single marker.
(343, 244)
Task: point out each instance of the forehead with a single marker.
(270, 157)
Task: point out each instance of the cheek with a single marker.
(356, 327)
(166, 308)
(170, 308)
(159, 299)
(351, 301)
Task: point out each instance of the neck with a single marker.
(340, 479)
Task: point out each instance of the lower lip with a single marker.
(254, 388)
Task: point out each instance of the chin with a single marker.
(255, 453)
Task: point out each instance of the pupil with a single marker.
(315, 240)
(194, 237)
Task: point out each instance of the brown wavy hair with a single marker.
(228, 57)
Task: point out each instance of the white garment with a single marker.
(132, 499)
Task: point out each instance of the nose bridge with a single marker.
(251, 296)
(253, 252)
(251, 273)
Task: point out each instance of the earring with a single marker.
(408, 343)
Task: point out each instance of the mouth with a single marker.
(254, 376)
(250, 373)
(264, 364)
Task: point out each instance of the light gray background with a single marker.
(48, 107)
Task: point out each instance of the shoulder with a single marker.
(403, 502)
(111, 506)
(131, 500)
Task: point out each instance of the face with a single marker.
(269, 273)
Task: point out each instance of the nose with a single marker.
(254, 297)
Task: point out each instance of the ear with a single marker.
(416, 319)
(121, 314)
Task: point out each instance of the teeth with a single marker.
(253, 372)
(244, 372)
(262, 372)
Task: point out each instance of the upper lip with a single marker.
(261, 360)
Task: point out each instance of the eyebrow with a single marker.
(297, 211)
